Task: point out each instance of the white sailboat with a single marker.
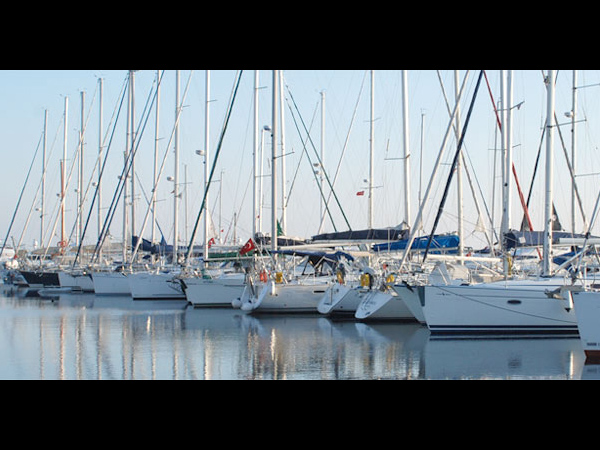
(298, 296)
(155, 286)
(218, 291)
(531, 305)
(277, 295)
(541, 305)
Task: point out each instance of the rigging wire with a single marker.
(112, 207)
(345, 147)
(21, 196)
(162, 166)
(454, 162)
(128, 163)
(320, 163)
(214, 165)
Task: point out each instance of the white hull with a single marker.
(523, 306)
(341, 300)
(587, 310)
(274, 298)
(76, 281)
(155, 286)
(411, 298)
(378, 305)
(111, 283)
(216, 292)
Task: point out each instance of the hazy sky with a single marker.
(24, 95)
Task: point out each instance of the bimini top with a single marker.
(317, 257)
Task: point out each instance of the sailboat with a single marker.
(531, 305)
(208, 291)
(300, 290)
(298, 296)
(384, 303)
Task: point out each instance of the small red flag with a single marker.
(360, 193)
(248, 247)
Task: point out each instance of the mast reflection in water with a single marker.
(107, 338)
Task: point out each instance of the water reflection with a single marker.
(105, 338)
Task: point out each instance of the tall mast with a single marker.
(406, 141)
(509, 150)
(550, 80)
(126, 162)
(274, 139)
(459, 180)
(100, 152)
(261, 177)
(43, 204)
(371, 151)
(80, 176)
(573, 147)
(176, 171)
(505, 171)
(420, 195)
(63, 178)
(283, 179)
(255, 157)
(322, 168)
(156, 128)
(206, 160)
(132, 152)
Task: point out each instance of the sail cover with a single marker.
(445, 241)
(369, 234)
(516, 238)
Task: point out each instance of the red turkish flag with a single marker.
(248, 247)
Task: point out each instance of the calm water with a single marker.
(107, 338)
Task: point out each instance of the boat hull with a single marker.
(275, 298)
(380, 305)
(111, 283)
(497, 308)
(76, 281)
(411, 296)
(40, 279)
(341, 300)
(155, 286)
(213, 293)
(587, 310)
